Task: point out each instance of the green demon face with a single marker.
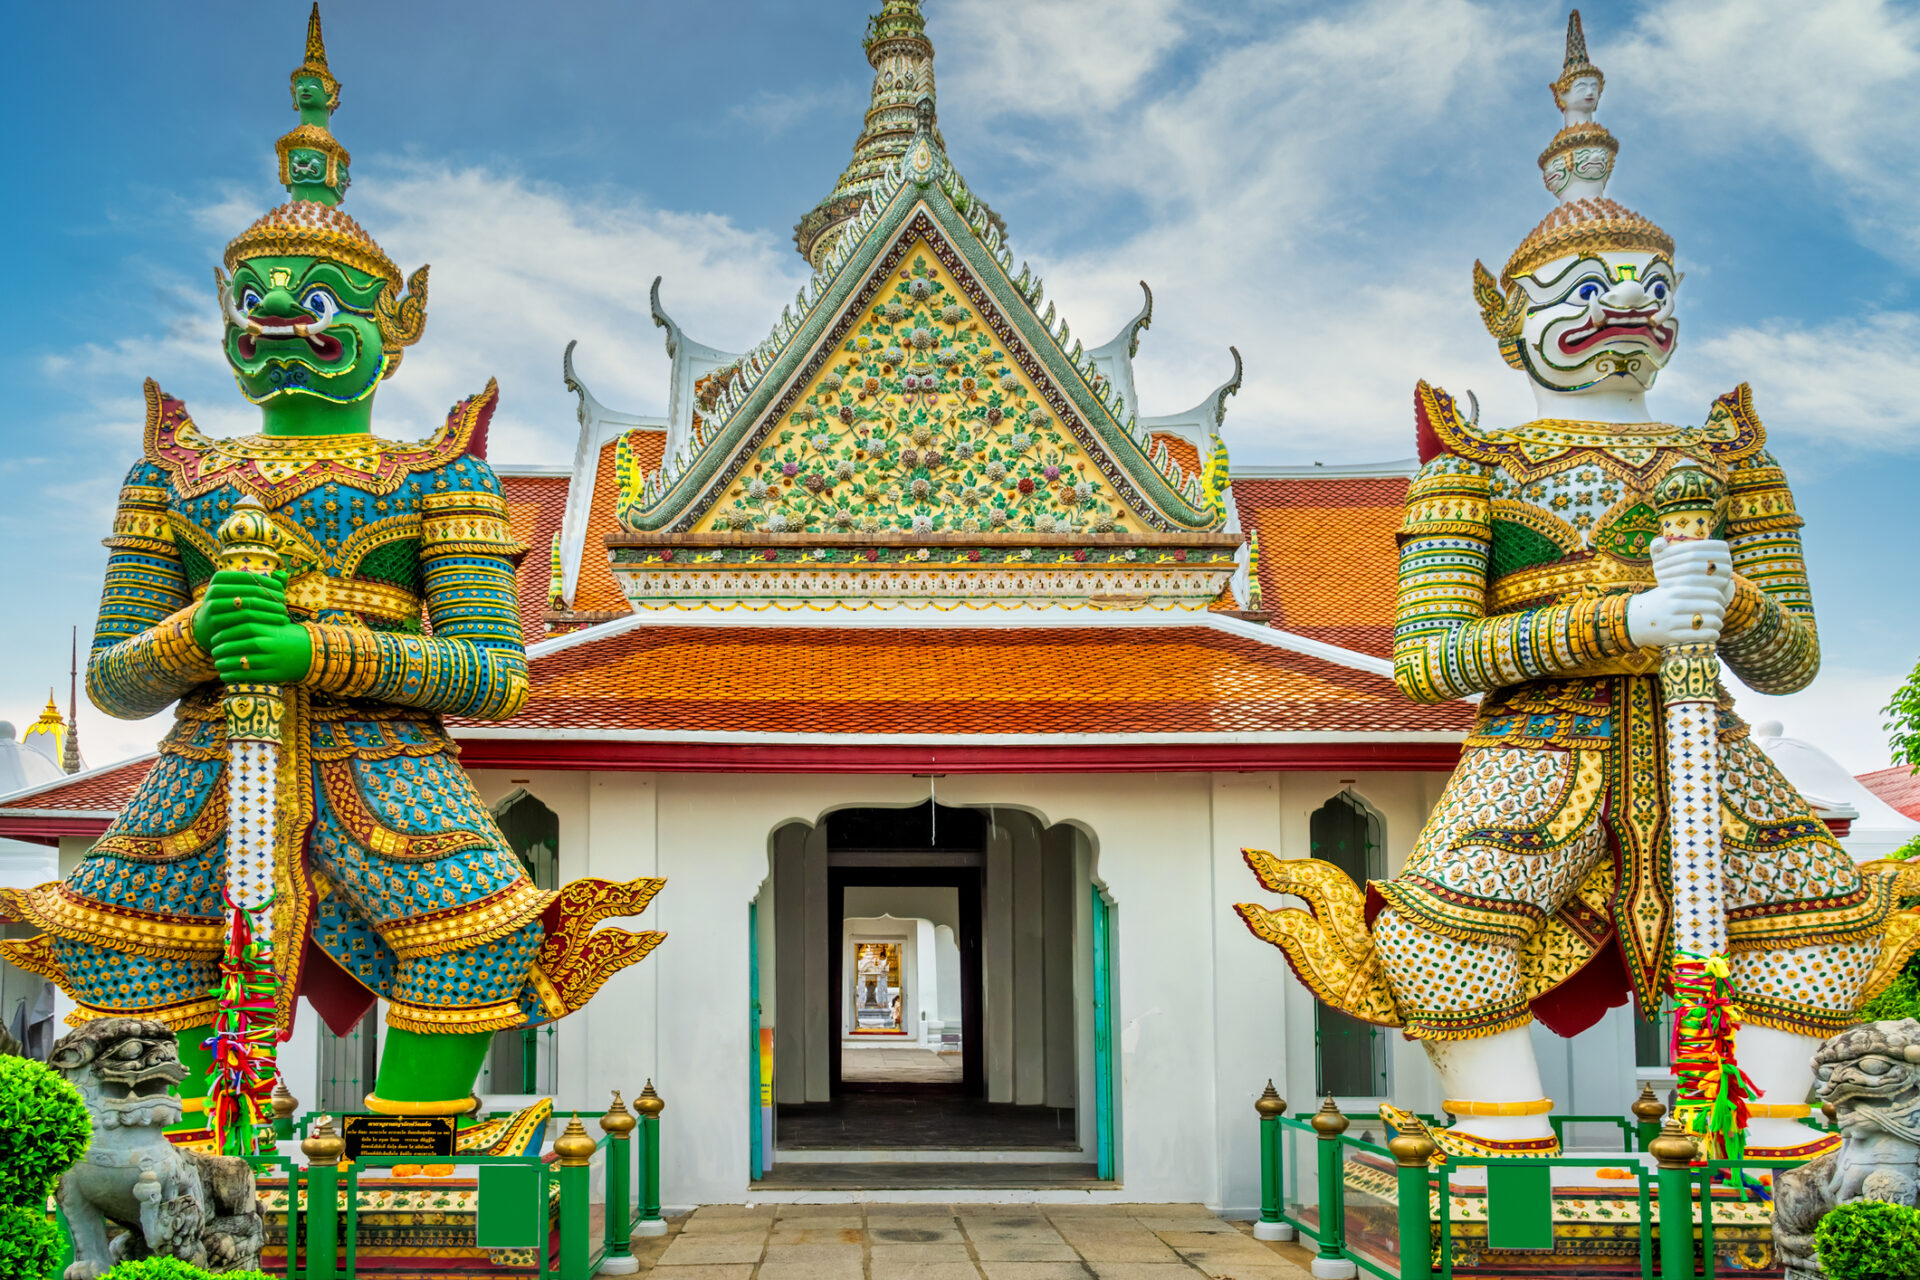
(301, 326)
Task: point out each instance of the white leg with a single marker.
(1496, 1068)
(1780, 1064)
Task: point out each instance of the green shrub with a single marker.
(44, 1128)
(1900, 1000)
(1869, 1240)
(174, 1269)
(29, 1243)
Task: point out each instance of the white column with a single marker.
(819, 990)
(997, 964)
(1029, 971)
(789, 1000)
(1057, 890)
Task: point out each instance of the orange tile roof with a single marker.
(535, 507)
(803, 679)
(1898, 786)
(1329, 567)
(1181, 448)
(96, 791)
(597, 592)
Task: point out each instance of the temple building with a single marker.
(944, 681)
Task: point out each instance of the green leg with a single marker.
(428, 1075)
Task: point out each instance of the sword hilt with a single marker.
(1688, 499)
(250, 542)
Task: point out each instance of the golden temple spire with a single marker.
(896, 45)
(51, 727)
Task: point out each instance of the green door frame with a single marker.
(757, 1156)
(1102, 1038)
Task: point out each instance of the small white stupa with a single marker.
(1874, 827)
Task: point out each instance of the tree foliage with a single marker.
(29, 1243)
(44, 1128)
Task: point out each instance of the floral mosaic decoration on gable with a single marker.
(922, 423)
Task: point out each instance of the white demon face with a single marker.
(1600, 321)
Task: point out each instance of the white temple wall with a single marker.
(1203, 1012)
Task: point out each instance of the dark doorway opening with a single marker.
(927, 870)
(966, 880)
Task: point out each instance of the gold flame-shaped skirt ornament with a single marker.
(244, 1032)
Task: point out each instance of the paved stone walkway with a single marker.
(964, 1242)
(906, 1063)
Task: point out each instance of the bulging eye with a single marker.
(249, 299)
(1659, 290)
(321, 303)
(1875, 1066)
(1587, 292)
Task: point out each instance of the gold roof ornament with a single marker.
(315, 64)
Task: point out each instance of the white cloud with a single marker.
(1834, 81)
(775, 112)
(1846, 382)
(1262, 173)
(1049, 57)
(521, 268)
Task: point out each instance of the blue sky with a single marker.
(1308, 182)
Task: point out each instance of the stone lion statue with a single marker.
(185, 1204)
(1871, 1075)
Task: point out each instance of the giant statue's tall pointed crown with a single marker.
(1576, 167)
(313, 168)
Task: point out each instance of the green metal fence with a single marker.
(1674, 1194)
(513, 1204)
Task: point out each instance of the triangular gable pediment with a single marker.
(920, 393)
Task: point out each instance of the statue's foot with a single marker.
(83, 1271)
(1512, 1137)
(1460, 1142)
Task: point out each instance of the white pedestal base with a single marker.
(656, 1227)
(619, 1267)
(1272, 1231)
(1334, 1269)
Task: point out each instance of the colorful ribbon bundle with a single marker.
(1712, 1092)
(240, 1085)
